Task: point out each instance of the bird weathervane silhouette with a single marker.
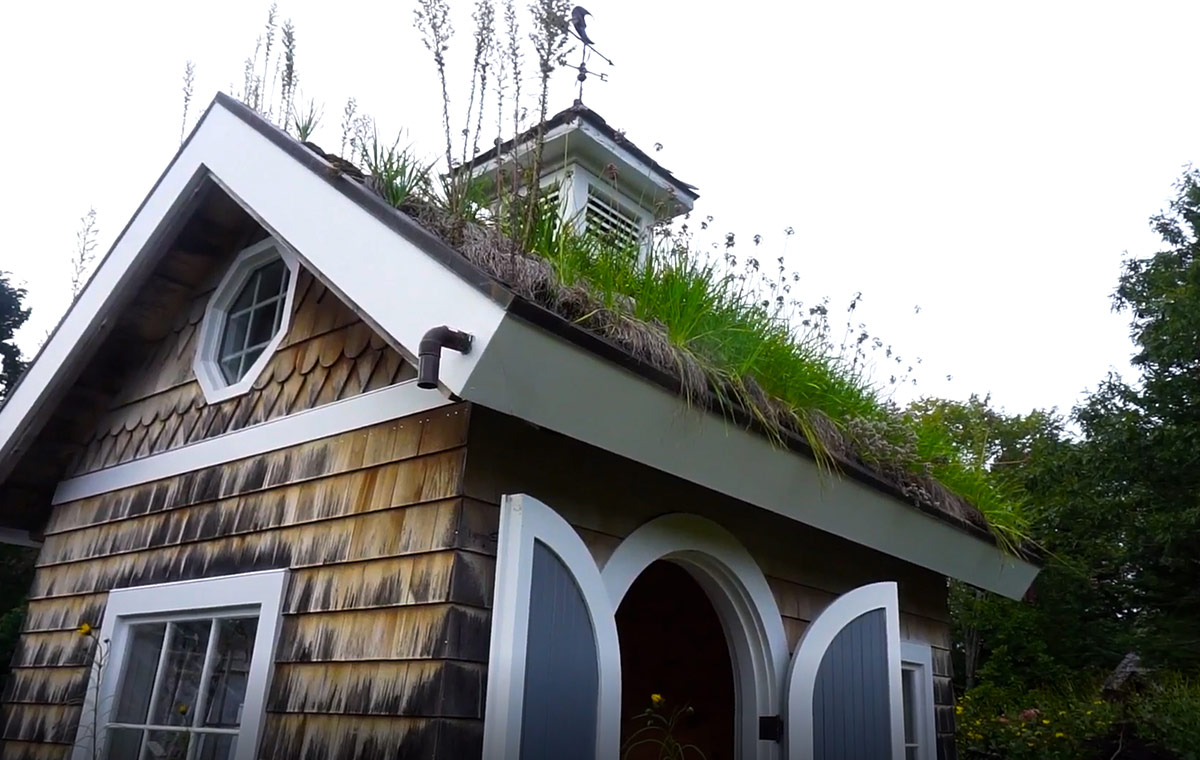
(578, 25)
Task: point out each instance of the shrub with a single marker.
(1046, 725)
(1168, 714)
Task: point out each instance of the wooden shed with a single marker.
(281, 542)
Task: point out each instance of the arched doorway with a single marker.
(673, 645)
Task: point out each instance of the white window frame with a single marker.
(918, 657)
(258, 593)
(206, 364)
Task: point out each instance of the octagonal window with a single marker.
(253, 319)
(246, 319)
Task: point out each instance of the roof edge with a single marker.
(391, 217)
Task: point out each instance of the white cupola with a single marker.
(600, 179)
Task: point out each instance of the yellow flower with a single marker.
(657, 700)
(84, 629)
(958, 709)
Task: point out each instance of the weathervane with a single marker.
(579, 16)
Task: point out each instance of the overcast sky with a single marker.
(990, 163)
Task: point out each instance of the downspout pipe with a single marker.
(429, 353)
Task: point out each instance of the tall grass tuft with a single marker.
(432, 19)
(396, 174)
(189, 79)
(85, 251)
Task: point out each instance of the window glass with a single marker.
(908, 684)
(133, 698)
(253, 319)
(231, 668)
(182, 689)
(182, 669)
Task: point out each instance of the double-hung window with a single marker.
(916, 682)
(182, 670)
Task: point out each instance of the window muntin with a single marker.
(253, 319)
(183, 688)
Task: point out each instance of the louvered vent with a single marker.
(549, 199)
(609, 222)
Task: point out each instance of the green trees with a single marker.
(13, 314)
(16, 563)
(1111, 495)
(1145, 437)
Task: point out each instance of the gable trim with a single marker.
(336, 227)
(361, 411)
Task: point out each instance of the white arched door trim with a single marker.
(738, 590)
(811, 650)
(524, 520)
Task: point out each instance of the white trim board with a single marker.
(918, 656)
(360, 411)
(260, 591)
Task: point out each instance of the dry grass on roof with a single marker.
(726, 342)
(534, 278)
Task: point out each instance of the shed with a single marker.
(286, 544)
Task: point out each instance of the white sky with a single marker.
(989, 162)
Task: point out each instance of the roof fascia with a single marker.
(579, 124)
(533, 375)
(641, 168)
(399, 278)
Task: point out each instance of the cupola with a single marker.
(600, 179)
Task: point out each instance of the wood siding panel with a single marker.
(419, 688)
(328, 354)
(354, 737)
(18, 750)
(386, 612)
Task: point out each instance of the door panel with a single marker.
(554, 664)
(851, 713)
(844, 697)
(561, 677)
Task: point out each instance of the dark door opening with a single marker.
(673, 645)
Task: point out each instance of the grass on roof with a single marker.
(730, 331)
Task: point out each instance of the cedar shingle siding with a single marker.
(386, 622)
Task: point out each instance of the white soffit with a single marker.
(399, 288)
(536, 376)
